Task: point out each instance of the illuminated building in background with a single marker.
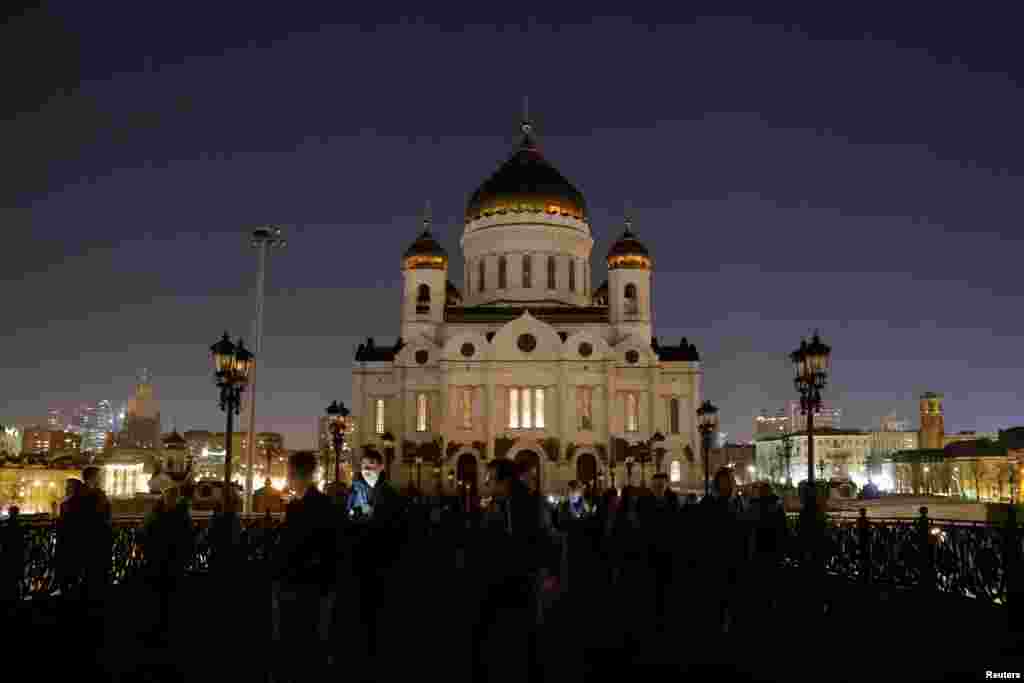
(41, 440)
(766, 425)
(99, 424)
(526, 360)
(142, 422)
(11, 439)
(826, 417)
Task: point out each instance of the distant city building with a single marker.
(55, 419)
(826, 418)
(99, 425)
(142, 422)
(41, 440)
(891, 423)
(11, 439)
(766, 425)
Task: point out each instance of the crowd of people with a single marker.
(519, 549)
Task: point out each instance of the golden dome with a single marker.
(527, 183)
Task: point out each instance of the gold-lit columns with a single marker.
(638, 261)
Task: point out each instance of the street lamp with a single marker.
(629, 470)
(419, 479)
(232, 364)
(811, 366)
(264, 239)
(707, 423)
(338, 414)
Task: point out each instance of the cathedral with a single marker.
(527, 360)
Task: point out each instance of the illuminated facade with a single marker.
(142, 422)
(528, 360)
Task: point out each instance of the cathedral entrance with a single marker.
(531, 462)
(466, 474)
(586, 471)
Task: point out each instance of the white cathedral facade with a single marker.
(527, 361)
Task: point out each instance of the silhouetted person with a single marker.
(68, 554)
(378, 538)
(12, 560)
(660, 518)
(304, 572)
(724, 546)
(767, 518)
(168, 546)
(92, 519)
(522, 562)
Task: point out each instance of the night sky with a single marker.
(862, 174)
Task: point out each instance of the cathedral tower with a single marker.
(629, 287)
(933, 428)
(424, 275)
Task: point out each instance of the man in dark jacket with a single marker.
(92, 518)
(168, 544)
(377, 539)
(524, 563)
(304, 571)
(659, 516)
(724, 545)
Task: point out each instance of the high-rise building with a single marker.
(99, 423)
(55, 419)
(142, 422)
(41, 440)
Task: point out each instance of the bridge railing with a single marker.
(966, 559)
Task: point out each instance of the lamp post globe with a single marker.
(707, 423)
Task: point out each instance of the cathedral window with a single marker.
(526, 408)
(422, 416)
(629, 294)
(378, 410)
(673, 416)
(423, 299)
(527, 271)
(585, 407)
(632, 413)
(480, 279)
(502, 272)
(572, 274)
(552, 266)
(466, 407)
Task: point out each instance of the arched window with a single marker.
(673, 416)
(572, 274)
(480, 286)
(631, 303)
(502, 272)
(423, 299)
(527, 272)
(552, 266)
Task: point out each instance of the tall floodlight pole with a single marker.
(264, 239)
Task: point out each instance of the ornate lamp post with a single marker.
(787, 454)
(338, 414)
(419, 478)
(707, 423)
(629, 470)
(232, 364)
(811, 366)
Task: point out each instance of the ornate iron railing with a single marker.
(966, 559)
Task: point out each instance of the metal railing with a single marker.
(966, 559)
